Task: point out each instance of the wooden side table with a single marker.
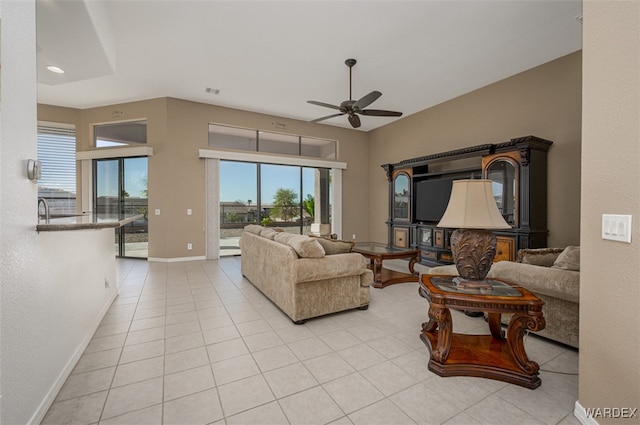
(496, 356)
(378, 252)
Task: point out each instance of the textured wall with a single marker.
(52, 293)
(609, 287)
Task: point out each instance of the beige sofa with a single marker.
(553, 274)
(305, 277)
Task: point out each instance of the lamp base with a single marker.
(473, 252)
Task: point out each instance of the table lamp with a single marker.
(473, 212)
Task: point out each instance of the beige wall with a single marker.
(610, 272)
(176, 129)
(544, 102)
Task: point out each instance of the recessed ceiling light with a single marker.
(55, 69)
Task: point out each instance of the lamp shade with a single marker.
(472, 206)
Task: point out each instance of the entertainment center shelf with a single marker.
(419, 190)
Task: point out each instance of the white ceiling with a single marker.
(273, 56)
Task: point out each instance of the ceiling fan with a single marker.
(354, 107)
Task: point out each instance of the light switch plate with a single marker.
(616, 227)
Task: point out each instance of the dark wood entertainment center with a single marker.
(419, 190)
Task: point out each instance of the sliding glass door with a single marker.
(280, 196)
(284, 196)
(120, 191)
(238, 203)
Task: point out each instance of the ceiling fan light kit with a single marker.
(352, 108)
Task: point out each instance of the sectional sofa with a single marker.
(304, 276)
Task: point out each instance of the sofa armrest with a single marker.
(330, 266)
(557, 283)
(366, 278)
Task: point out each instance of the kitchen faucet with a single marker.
(46, 209)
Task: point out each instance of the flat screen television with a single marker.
(432, 198)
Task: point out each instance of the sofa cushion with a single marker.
(253, 228)
(334, 246)
(569, 259)
(268, 232)
(539, 256)
(304, 246)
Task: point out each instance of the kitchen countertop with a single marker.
(85, 222)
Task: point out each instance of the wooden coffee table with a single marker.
(378, 252)
(487, 356)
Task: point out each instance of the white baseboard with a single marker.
(64, 374)
(581, 416)
(176, 260)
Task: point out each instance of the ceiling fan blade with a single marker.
(367, 100)
(354, 120)
(326, 105)
(379, 113)
(327, 117)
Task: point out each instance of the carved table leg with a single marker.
(377, 270)
(494, 325)
(430, 326)
(515, 335)
(442, 316)
(412, 263)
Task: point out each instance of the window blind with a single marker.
(57, 183)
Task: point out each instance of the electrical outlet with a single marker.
(616, 227)
(189, 247)
(189, 211)
(157, 211)
(353, 236)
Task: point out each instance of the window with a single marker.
(120, 134)
(278, 143)
(269, 194)
(242, 139)
(57, 153)
(318, 148)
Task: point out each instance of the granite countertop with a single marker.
(85, 222)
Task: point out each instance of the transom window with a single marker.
(243, 139)
(120, 134)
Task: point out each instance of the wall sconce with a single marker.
(34, 169)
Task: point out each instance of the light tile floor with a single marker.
(196, 343)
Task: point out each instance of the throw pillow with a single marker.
(569, 259)
(544, 257)
(268, 232)
(304, 246)
(253, 228)
(334, 246)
